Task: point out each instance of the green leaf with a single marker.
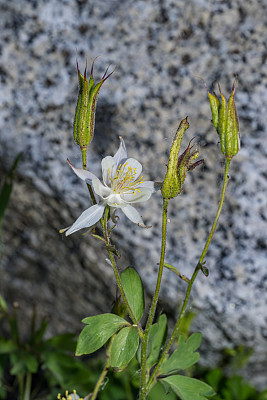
(6, 346)
(3, 305)
(22, 361)
(184, 357)
(158, 392)
(134, 292)
(98, 330)
(189, 388)
(124, 347)
(156, 340)
(62, 343)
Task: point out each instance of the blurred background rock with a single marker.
(160, 47)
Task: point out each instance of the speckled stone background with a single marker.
(160, 47)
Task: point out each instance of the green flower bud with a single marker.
(84, 120)
(170, 186)
(179, 165)
(225, 120)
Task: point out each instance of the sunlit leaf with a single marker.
(156, 340)
(98, 330)
(124, 347)
(189, 388)
(134, 291)
(185, 355)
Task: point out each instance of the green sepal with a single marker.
(189, 388)
(185, 355)
(124, 347)
(97, 332)
(232, 128)
(222, 122)
(133, 288)
(214, 105)
(171, 186)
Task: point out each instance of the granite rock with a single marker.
(161, 47)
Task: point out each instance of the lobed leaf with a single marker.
(124, 347)
(189, 388)
(184, 357)
(134, 291)
(156, 340)
(98, 330)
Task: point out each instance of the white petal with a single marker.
(83, 174)
(133, 215)
(134, 165)
(121, 153)
(100, 189)
(115, 200)
(109, 169)
(88, 218)
(142, 194)
(148, 184)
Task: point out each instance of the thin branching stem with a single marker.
(195, 273)
(143, 383)
(104, 372)
(104, 223)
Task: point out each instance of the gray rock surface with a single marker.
(160, 47)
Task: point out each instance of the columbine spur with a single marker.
(122, 187)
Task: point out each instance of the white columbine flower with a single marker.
(122, 186)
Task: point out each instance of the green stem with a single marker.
(143, 383)
(195, 273)
(104, 223)
(84, 151)
(21, 385)
(27, 393)
(104, 372)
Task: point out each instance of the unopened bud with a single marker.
(171, 187)
(84, 121)
(179, 165)
(225, 120)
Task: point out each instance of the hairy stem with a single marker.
(85, 168)
(143, 383)
(104, 372)
(104, 223)
(27, 392)
(195, 273)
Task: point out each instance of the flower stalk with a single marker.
(194, 275)
(143, 377)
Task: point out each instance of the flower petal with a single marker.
(88, 218)
(121, 153)
(109, 169)
(133, 215)
(83, 174)
(115, 200)
(100, 189)
(148, 184)
(141, 194)
(134, 165)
